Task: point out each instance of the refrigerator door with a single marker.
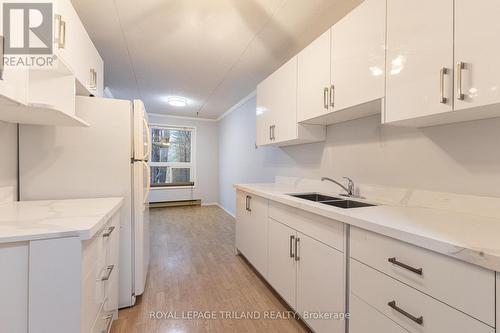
(85, 162)
(141, 224)
(142, 136)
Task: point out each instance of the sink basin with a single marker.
(316, 197)
(347, 204)
(331, 201)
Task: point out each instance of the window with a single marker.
(172, 156)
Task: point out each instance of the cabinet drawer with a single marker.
(93, 295)
(380, 290)
(318, 227)
(364, 318)
(103, 321)
(466, 287)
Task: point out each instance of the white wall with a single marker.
(458, 158)
(8, 156)
(206, 159)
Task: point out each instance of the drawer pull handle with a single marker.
(109, 318)
(108, 232)
(393, 261)
(419, 320)
(297, 244)
(108, 269)
(292, 238)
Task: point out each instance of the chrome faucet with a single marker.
(350, 185)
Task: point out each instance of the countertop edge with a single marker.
(469, 255)
(82, 234)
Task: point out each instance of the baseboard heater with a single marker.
(178, 203)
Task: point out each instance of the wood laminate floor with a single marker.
(194, 268)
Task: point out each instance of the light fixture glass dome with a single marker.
(177, 101)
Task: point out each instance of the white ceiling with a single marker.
(214, 52)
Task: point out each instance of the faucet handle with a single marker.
(350, 185)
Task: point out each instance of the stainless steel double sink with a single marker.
(331, 201)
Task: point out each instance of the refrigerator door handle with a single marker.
(148, 182)
(147, 153)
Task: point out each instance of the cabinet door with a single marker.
(281, 261)
(419, 45)
(320, 284)
(358, 56)
(242, 239)
(477, 28)
(14, 258)
(257, 232)
(263, 113)
(313, 85)
(283, 106)
(251, 229)
(79, 53)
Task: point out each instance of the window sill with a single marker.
(185, 187)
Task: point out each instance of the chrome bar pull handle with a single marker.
(273, 132)
(418, 320)
(297, 244)
(332, 95)
(249, 203)
(270, 132)
(93, 79)
(292, 238)
(394, 261)
(442, 72)
(63, 34)
(109, 270)
(108, 231)
(460, 68)
(325, 98)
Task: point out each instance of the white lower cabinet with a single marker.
(282, 267)
(14, 257)
(393, 286)
(408, 307)
(320, 281)
(308, 275)
(61, 285)
(251, 230)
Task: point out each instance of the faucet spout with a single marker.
(349, 189)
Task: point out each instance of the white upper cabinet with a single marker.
(477, 29)
(277, 110)
(341, 74)
(358, 60)
(439, 67)
(46, 96)
(75, 48)
(313, 84)
(419, 58)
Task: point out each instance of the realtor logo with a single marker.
(27, 28)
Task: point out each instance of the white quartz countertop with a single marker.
(35, 220)
(466, 236)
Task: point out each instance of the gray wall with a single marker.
(458, 158)
(8, 155)
(206, 150)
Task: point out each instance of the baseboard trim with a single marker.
(224, 209)
(178, 203)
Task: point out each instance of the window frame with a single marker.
(191, 165)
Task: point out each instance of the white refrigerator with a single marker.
(108, 158)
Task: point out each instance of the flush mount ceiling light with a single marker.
(177, 101)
